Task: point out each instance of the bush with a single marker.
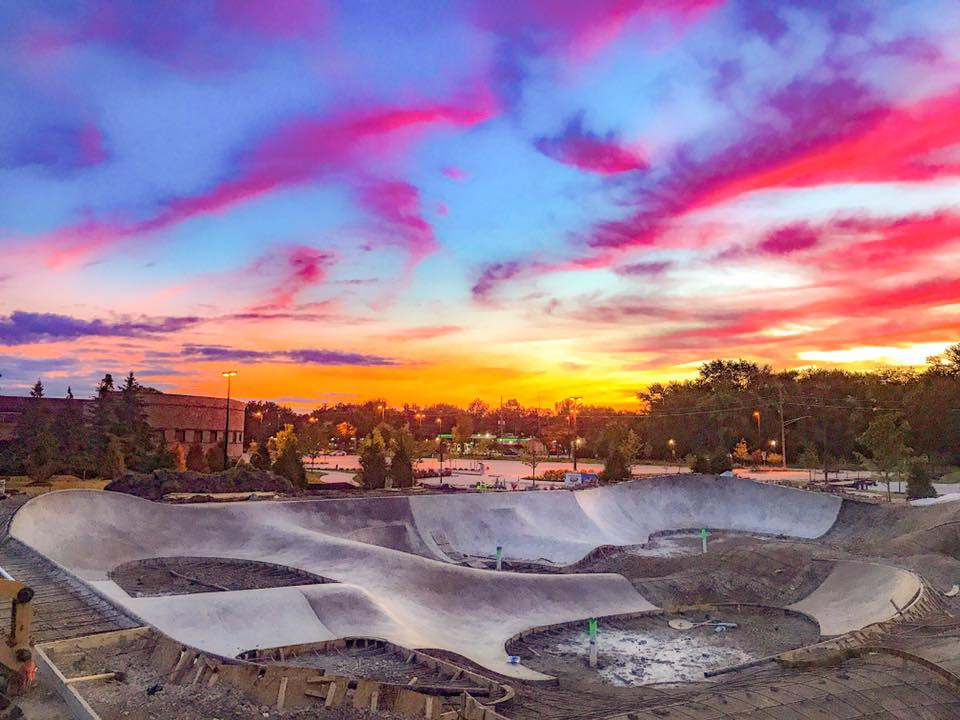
(289, 464)
(554, 475)
(919, 483)
(195, 460)
(153, 486)
(214, 458)
(710, 463)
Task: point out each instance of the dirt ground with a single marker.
(182, 576)
(736, 568)
(145, 694)
(646, 650)
(375, 662)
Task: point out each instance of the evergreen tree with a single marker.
(373, 461)
(70, 429)
(919, 483)
(111, 461)
(35, 441)
(401, 464)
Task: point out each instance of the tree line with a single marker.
(732, 411)
(105, 439)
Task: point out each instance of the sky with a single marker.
(435, 201)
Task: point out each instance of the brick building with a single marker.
(182, 419)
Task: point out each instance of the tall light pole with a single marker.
(383, 412)
(229, 374)
(672, 444)
(574, 401)
(419, 418)
(783, 434)
(756, 416)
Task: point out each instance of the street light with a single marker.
(383, 413)
(228, 374)
(419, 417)
(672, 444)
(756, 416)
(439, 425)
(575, 400)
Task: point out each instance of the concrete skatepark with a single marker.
(389, 570)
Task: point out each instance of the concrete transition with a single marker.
(390, 559)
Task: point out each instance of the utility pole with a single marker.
(783, 428)
(226, 426)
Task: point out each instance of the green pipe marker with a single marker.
(592, 628)
(499, 556)
(703, 538)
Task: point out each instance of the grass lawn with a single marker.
(953, 477)
(57, 482)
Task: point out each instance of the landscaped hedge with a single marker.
(153, 486)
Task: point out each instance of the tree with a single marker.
(314, 437)
(195, 458)
(532, 455)
(289, 464)
(919, 482)
(885, 440)
(401, 464)
(214, 458)
(36, 443)
(260, 455)
(71, 431)
(741, 454)
(462, 431)
(111, 463)
(620, 447)
(288, 459)
(373, 461)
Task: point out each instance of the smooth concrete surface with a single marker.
(411, 600)
(857, 594)
(562, 526)
(393, 579)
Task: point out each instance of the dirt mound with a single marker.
(153, 486)
(736, 569)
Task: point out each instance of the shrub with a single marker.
(153, 486)
(195, 460)
(710, 463)
(214, 458)
(289, 464)
(919, 482)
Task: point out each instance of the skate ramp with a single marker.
(858, 594)
(411, 600)
(562, 527)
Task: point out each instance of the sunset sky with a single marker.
(433, 201)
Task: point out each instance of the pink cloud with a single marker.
(789, 239)
(298, 152)
(865, 141)
(396, 205)
(454, 173)
(281, 19)
(90, 140)
(423, 333)
(581, 30)
(295, 269)
(645, 268)
(577, 147)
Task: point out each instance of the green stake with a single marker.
(703, 539)
(592, 631)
